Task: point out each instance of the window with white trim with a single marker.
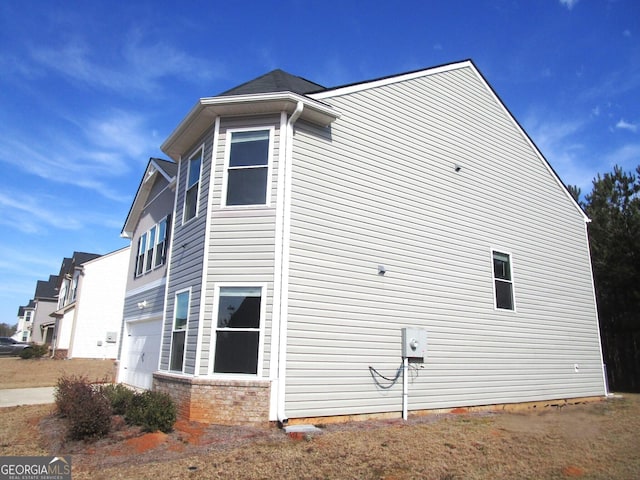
(160, 253)
(152, 247)
(179, 331)
(142, 250)
(239, 318)
(192, 187)
(503, 280)
(247, 174)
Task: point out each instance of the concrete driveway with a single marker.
(26, 396)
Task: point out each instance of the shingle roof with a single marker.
(275, 81)
(47, 288)
(169, 167)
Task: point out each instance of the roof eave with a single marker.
(203, 115)
(153, 168)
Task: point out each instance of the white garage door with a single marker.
(142, 353)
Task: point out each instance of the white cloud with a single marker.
(623, 125)
(30, 214)
(556, 140)
(627, 156)
(137, 65)
(91, 156)
(568, 3)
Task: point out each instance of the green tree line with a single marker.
(613, 205)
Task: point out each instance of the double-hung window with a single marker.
(503, 280)
(193, 186)
(247, 174)
(142, 250)
(179, 332)
(239, 317)
(160, 254)
(152, 247)
(151, 241)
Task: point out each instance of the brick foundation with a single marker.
(223, 402)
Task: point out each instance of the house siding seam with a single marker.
(379, 187)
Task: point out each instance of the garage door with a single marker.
(142, 352)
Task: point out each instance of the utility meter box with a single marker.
(112, 337)
(414, 343)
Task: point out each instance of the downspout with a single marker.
(284, 281)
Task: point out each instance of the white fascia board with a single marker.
(389, 80)
(140, 199)
(202, 116)
(158, 168)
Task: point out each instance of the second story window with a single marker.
(193, 186)
(151, 243)
(503, 281)
(152, 247)
(248, 167)
(160, 254)
(142, 250)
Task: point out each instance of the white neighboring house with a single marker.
(90, 301)
(25, 322)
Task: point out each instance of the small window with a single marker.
(238, 330)
(161, 243)
(151, 241)
(142, 249)
(503, 280)
(180, 318)
(248, 168)
(193, 184)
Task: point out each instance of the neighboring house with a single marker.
(44, 302)
(312, 225)
(91, 297)
(148, 226)
(25, 322)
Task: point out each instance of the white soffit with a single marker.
(203, 114)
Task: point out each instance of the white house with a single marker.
(90, 302)
(312, 225)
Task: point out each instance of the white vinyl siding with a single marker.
(242, 239)
(382, 188)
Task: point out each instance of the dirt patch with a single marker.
(595, 441)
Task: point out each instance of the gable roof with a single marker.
(275, 81)
(77, 259)
(156, 166)
(47, 289)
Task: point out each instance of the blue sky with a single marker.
(89, 90)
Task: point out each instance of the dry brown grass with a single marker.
(44, 372)
(589, 441)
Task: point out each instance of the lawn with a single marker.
(597, 440)
(44, 372)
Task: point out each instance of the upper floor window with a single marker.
(247, 172)
(503, 280)
(160, 254)
(152, 247)
(193, 186)
(74, 285)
